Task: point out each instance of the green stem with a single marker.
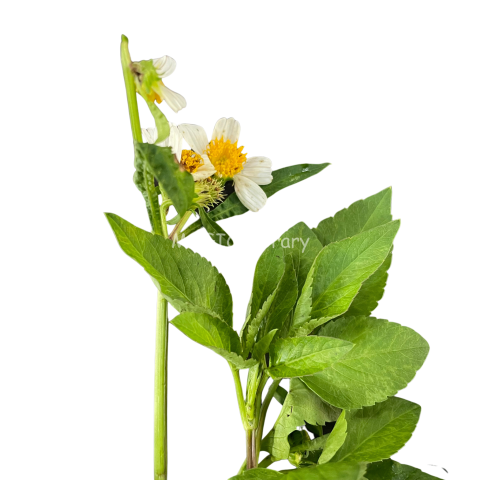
(240, 397)
(263, 412)
(251, 450)
(266, 462)
(131, 90)
(160, 408)
(243, 467)
(191, 229)
(163, 215)
(178, 227)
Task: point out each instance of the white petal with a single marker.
(249, 193)
(258, 169)
(164, 66)
(205, 171)
(174, 100)
(149, 135)
(195, 136)
(228, 128)
(174, 141)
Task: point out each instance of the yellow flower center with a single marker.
(191, 161)
(226, 157)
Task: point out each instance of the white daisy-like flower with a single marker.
(198, 165)
(228, 162)
(153, 79)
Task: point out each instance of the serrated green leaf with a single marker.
(285, 297)
(301, 405)
(258, 474)
(254, 325)
(303, 245)
(268, 272)
(384, 360)
(340, 269)
(335, 440)
(329, 471)
(296, 357)
(376, 433)
(282, 178)
(209, 331)
(371, 291)
(262, 346)
(177, 183)
(187, 280)
(390, 470)
(357, 218)
(216, 232)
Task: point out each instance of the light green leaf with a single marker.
(282, 178)
(254, 325)
(216, 232)
(268, 272)
(384, 360)
(278, 316)
(258, 474)
(296, 357)
(177, 183)
(161, 122)
(357, 218)
(376, 433)
(335, 440)
(187, 280)
(371, 291)
(262, 346)
(329, 471)
(210, 332)
(300, 406)
(341, 268)
(302, 244)
(390, 470)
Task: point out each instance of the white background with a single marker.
(387, 92)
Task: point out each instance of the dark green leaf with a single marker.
(282, 178)
(384, 360)
(296, 357)
(280, 395)
(216, 232)
(187, 280)
(258, 474)
(390, 470)
(376, 433)
(357, 218)
(285, 297)
(300, 406)
(176, 182)
(329, 471)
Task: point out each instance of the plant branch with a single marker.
(178, 227)
(160, 403)
(263, 412)
(240, 397)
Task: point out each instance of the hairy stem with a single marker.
(160, 408)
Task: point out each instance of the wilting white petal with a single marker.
(195, 136)
(205, 171)
(228, 128)
(249, 193)
(149, 135)
(174, 140)
(164, 66)
(258, 169)
(174, 100)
